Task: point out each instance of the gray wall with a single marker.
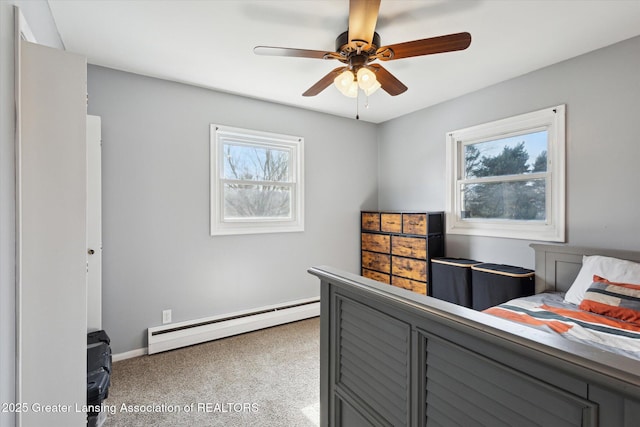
(39, 17)
(157, 250)
(601, 90)
(158, 253)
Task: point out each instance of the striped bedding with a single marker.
(549, 312)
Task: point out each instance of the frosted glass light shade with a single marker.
(373, 88)
(366, 78)
(344, 82)
(352, 91)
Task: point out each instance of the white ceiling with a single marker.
(210, 43)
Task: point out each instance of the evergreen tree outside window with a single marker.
(506, 178)
(256, 182)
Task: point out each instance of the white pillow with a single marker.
(612, 269)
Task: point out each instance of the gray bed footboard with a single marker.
(391, 357)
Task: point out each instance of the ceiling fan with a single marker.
(359, 46)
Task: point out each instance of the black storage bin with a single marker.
(451, 280)
(98, 356)
(494, 284)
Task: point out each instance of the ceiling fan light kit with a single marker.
(348, 83)
(359, 46)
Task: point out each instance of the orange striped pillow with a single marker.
(619, 300)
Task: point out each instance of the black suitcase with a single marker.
(98, 356)
(96, 420)
(98, 382)
(98, 336)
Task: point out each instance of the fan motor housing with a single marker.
(343, 40)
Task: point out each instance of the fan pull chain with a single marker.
(358, 105)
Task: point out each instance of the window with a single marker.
(256, 182)
(507, 178)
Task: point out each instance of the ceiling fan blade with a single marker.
(287, 51)
(389, 83)
(441, 44)
(363, 15)
(324, 82)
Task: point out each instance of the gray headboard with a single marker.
(558, 265)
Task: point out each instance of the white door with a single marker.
(94, 224)
(51, 170)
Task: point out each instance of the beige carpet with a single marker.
(264, 378)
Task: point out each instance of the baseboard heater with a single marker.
(176, 335)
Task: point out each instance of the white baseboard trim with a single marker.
(171, 336)
(129, 354)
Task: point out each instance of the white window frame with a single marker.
(553, 228)
(219, 134)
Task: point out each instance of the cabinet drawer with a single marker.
(370, 221)
(375, 275)
(412, 285)
(410, 268)
(414, 224)
(391, 223)
(377, 262)
(375, 242)
(412, 247)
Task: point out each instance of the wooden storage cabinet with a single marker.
(397, 247)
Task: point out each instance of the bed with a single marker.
(549, 312)
(390, 357)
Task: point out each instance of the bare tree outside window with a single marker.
(257, 181)
(254, 178)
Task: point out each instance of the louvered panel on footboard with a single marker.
(463, 388)
(373, 362)
(390, 357)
